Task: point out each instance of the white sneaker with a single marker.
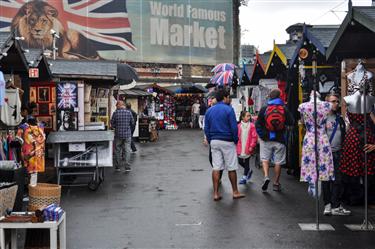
(341, 211)
(327, 209)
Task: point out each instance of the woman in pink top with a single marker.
(247, 141)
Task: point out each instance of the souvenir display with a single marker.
(67, 120)
(43, 94)
(67, 95)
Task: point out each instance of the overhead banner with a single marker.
(160, 31)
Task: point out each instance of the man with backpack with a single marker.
(271, 128)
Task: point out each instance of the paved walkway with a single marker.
(166, 202)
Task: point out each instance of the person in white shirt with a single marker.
(195, 113)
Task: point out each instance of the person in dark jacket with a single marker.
(272, 143)
(222, 134)
(134, 114)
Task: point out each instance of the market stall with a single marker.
(138, 99)
(162, 107)
(185, 96)
(82, 144)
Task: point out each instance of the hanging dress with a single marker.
(32, 138)
(352, 158)
(308, 166)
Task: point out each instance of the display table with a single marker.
(53, 226)
(82, 153)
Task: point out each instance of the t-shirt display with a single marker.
(11, 110)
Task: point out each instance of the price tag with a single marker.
(77, 147)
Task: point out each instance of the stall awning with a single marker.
(134, 93)
(188, 88)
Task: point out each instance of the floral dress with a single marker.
(308, 166)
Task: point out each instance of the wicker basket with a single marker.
(43, 194)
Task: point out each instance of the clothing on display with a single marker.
(352, 159)
(7, 152)
(260, 96)
(11, 110)
(2, 88)
(32, 138)
(282, 87)
(308, 160)
(358, 78)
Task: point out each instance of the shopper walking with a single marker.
(271, 128)
(202, 112)
(333, 191)
(211, 102)
(122, 121)
(222, 135)
(134, 114)
(195, 114)
(247, 141)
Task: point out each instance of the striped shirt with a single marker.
(122, 121)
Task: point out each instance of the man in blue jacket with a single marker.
(222, 135)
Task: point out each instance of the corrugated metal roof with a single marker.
(324, 33)
(369, 13)
(86, 68)
(365, 16)
(34, 56)
(265, 57)
(288, 50)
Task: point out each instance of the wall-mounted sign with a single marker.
(33, 73)
(163, 31)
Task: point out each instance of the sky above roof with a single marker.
(263, 21)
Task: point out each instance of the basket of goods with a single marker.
(43, 194)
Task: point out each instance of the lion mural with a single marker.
(34, 22)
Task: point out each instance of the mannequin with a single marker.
(352, 161)
(308, 166)
(354, 103)
(358, 78)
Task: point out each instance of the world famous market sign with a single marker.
(165, 31)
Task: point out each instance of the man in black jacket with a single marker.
(272, 142)
(134, 114)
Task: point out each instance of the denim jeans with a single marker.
(333, 191)
(122, 148)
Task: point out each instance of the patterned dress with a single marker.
(33, 139)
(352, 158)
(308, 167)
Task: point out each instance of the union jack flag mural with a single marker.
(84, 26)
